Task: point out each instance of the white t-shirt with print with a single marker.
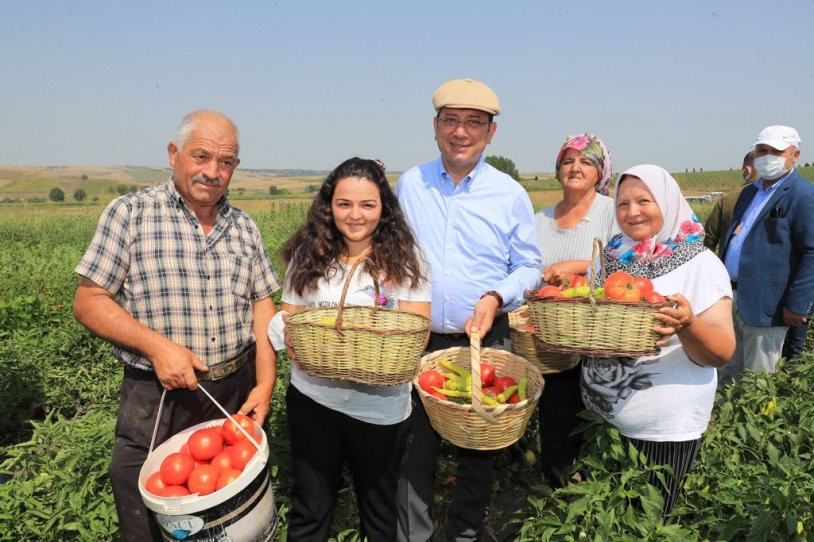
(665, 397)
(381, 405)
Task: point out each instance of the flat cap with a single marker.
(466, 94)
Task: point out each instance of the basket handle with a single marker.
(217, 404)
(345, 286)
(597, 252)
(477, 393)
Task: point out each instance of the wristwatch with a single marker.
(496, 296)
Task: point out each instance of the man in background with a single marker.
(768, 250)
(719, 219)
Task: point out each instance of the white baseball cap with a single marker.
(778, 137)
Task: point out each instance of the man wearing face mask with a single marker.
(768, 250)
(721, 215)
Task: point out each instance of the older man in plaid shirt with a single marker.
(180, 282)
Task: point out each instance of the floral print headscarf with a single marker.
(680, 238)
(591, 147)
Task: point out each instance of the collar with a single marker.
(468, 181)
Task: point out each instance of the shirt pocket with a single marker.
(240, 275)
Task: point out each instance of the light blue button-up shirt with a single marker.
(477, 236)
(733, 250)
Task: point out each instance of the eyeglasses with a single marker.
(471, 125)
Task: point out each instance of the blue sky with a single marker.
(676, 83)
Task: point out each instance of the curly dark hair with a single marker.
(316, 247)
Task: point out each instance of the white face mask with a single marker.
(770, 167)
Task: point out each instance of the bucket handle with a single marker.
(220, 407)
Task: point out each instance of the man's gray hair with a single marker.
(190, 122)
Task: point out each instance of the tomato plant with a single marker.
(621, 286)
(202, 480)
(175, 469)
(241, 453)
(205, 443)
(231, 433)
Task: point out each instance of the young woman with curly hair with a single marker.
(355, 218)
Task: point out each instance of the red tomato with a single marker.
(231, 433)
(654, 297)
(490, 391)
(514, 398)
(621, 286)
(644, 284)
(487, 374)
(438, 395)
(184, 449)
(175, 491)
(222, 461)
(205, 443)
(241, 453)
(573, 281)
(528, 329)
(202, 480)
(550, 291)
(155, 484)
(226, 477)
(431, 378)
(503, 382)
(175, 469)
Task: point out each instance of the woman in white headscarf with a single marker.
(662, 403)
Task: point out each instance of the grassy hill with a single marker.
(22, 183)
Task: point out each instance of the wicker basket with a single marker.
(595, 326)
(474, 425)
(368, 345)
(526, 345)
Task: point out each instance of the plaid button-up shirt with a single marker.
(150, 251)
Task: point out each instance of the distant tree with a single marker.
(35, 199)
(80, 195)
(312, 188)
(110, 190)
(56, 195)
(121, 189)
(84, 177)
(240, 190)
(133, 188)
(274, 190)
(505, 165)
(806, 164)
(702, 169)
(536, 178)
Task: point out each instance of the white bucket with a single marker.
(240, 512)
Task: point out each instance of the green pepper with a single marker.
(489, 401)
(521, 388)
(454, 393)
(508, 392)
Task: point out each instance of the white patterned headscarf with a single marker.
(680, 238)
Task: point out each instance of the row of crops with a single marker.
(754, 478)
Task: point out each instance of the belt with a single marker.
(734, 284)
(225, 368)
(499, 320)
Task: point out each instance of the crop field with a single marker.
(753, 480)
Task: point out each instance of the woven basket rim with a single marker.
(424, 325)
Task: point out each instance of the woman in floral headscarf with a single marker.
(565, 234)
(662, 404)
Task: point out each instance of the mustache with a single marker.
(215, 181)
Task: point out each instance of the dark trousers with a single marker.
(322, 440)
(795, 341)
(473, 475)
(140, 396)
(559, 405)
(679, 455)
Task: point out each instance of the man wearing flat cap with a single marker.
(476, 228)
(768, 250)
